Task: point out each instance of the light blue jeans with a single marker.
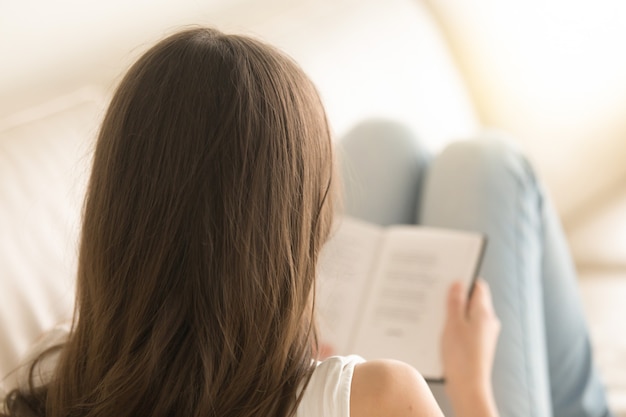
(543, 364)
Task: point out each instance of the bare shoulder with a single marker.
(390, 388)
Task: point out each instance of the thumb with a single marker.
(456, 300)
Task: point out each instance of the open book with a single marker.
(382, 290)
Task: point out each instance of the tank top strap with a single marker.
(328, 391)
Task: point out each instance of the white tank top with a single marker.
(328, 391)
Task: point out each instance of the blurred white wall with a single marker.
(552, 73)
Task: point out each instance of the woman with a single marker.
(210, 197)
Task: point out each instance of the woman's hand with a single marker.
(468, 348)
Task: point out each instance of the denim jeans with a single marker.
(543, 364)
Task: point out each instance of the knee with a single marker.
(379, 148)
(379, 137)
(491, 157)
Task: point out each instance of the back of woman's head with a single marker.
(208, 203)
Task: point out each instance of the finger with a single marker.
(481, 299)
(456, 300)
(488, 299)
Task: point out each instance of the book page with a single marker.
(344, 269)
(405, 310)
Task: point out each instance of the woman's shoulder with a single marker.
(349, 386)
(390, 388)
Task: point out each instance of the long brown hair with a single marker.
(208, 203)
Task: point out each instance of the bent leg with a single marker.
(484, 186)
(576, 387)
(487, 186)
(382, 168)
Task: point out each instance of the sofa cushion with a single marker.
(44, 160)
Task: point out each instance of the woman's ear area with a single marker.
(390, 388)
